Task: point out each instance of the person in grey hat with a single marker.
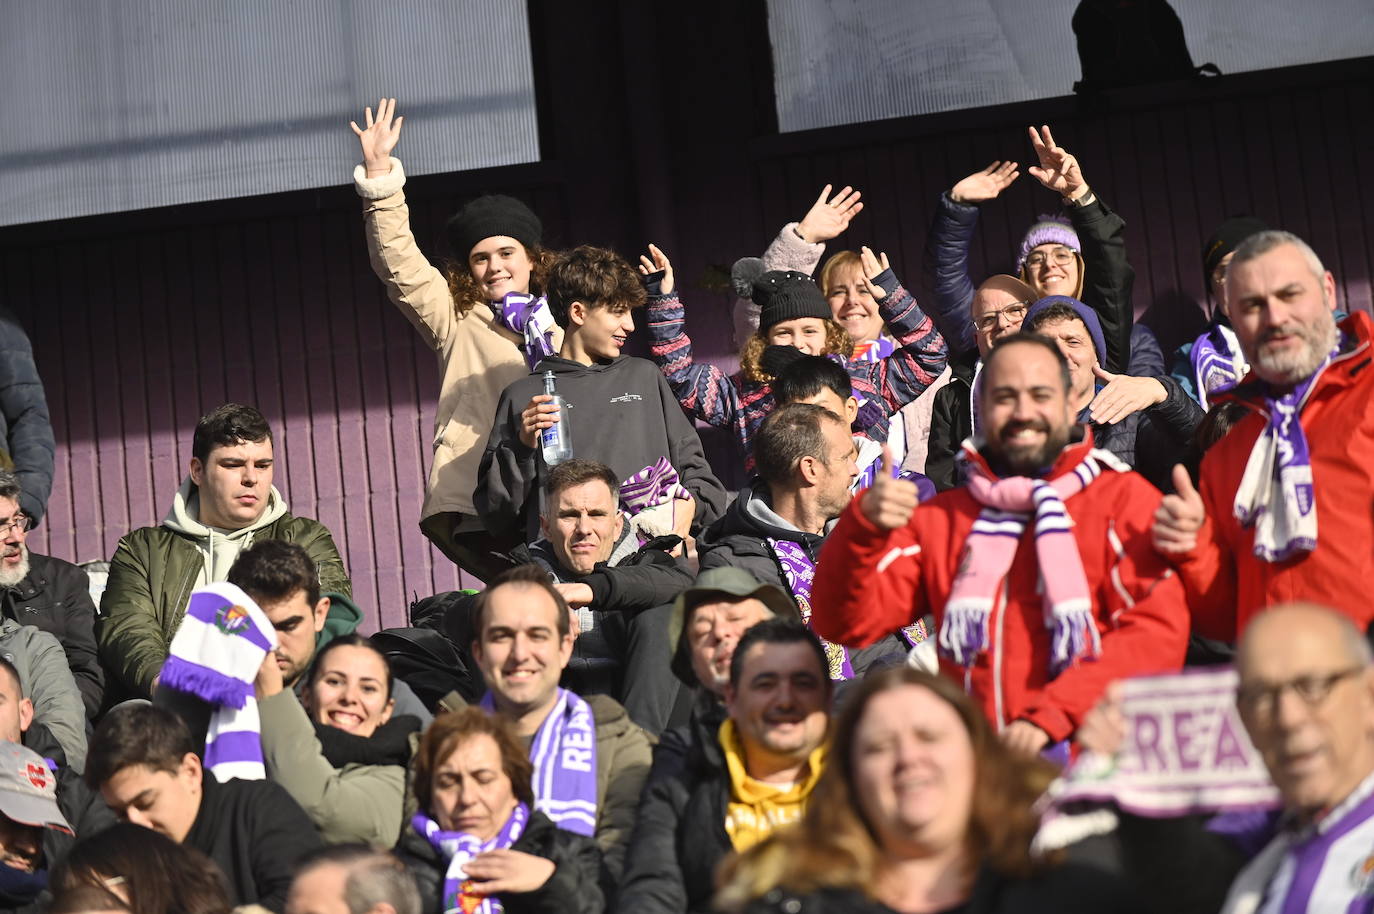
(34, 834)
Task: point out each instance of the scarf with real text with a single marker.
(215, 656)
(564, 756)
(1275, 495)
(1008, 506)
(530, 317)
(460, 895)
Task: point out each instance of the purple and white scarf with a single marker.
(460, 895)
(564, 757)
(800, 573)
(1009, 505)
(1275, 493)
(649, 498)
(530, 317)
(215, 655)
(1217, 362)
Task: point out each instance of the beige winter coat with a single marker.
(477, 357)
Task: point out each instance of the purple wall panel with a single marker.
(142, 322)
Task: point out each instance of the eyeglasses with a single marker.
(19, 523)
(1263, 698)
(1061, 256)
(1014, 314)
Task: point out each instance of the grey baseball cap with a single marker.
(28, 789)
(714, 584)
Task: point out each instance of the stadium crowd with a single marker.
(862, 683)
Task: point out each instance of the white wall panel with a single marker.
(113, 106)
(848, 61)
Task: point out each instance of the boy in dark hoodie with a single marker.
(621, 411)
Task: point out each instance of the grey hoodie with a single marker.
(219, 548)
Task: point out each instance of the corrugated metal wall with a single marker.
(148, 103)
(143, 322)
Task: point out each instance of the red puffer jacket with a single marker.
(1227, 583)
(871, 581)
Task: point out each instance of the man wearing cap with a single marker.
(775, 528)
(1215, 360)
(83, 808)
(484, 317)
(34, 835)
(754, 774)
(1118, 408)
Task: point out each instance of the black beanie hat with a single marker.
(493, 215)
(785, 295)
(1226, 239)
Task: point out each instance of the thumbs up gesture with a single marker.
(1179, 516)
(889, 503)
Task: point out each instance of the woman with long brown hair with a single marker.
(921, 809)
(481, 315)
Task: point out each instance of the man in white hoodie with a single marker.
(226, 503)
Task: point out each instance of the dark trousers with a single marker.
(475, 551)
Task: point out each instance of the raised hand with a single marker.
(827, 219)
(889, 503)
(654, 261)
(1057, 170)
(1179, 517)
(873, 264)
(985, 185)
(379, 138)
(540, 414)
(1123, 395)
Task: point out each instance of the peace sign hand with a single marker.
(1058, 170)
(379, 138)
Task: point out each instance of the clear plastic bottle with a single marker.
(556, 440)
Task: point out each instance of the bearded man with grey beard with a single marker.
(49, 594)
(1284, 509)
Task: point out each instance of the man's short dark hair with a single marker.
(594, 276)
(227, 426)
(808, 376)
(273, 570)
(137, 734)
(1036, 339)
(529, 575)
(777, 630)
(374, 877)
(577, 471)
(790, 433)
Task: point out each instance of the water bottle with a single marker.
(556, 440)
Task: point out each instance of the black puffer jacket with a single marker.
(740, 539)
(572, 889)
(1067, 889)
(25, 429)
(55, 596)
(679, 834)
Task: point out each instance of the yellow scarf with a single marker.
(756, 808)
